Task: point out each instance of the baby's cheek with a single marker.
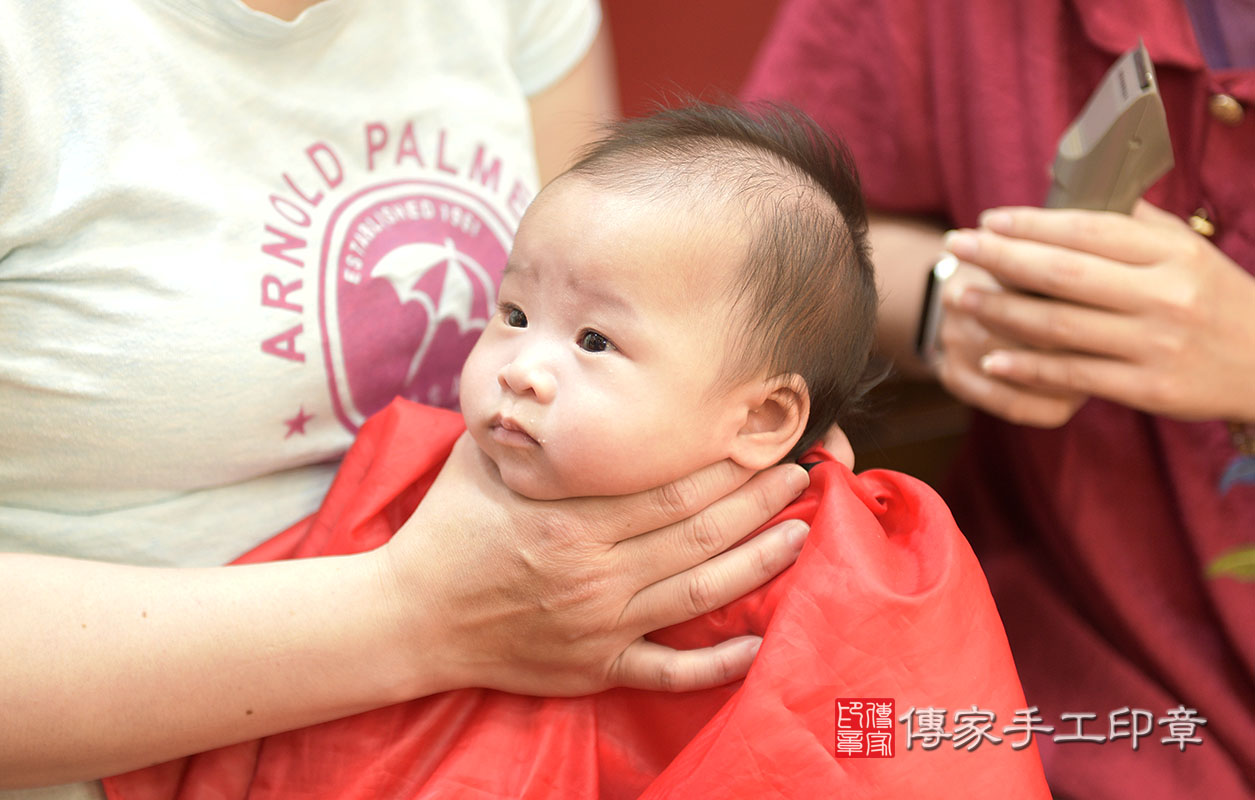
(470, 376)
(477, 384)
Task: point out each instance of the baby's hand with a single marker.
(554, 598)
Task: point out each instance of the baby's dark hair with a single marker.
(807, 280)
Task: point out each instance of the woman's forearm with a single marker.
(903, 250)
(105, 668)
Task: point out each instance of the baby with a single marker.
(697, 287)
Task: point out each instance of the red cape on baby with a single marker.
(886, 600)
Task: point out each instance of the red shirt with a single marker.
(1096, 537)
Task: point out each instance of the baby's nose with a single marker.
(527, 376)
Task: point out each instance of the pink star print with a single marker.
(297, 423)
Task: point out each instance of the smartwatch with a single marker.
(930, 316)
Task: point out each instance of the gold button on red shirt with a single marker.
(1201, 223)
(1226, 109)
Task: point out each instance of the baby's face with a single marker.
(595, 376)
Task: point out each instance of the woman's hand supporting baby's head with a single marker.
(564, 591)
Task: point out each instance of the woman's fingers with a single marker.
(1137, 309)
(1051, 325)
(674, 548)
(1069, 372)
(631, 515)
(1022, 405)
(718, 581)
(648, 665)
(965, 340)
(1047, 269)
(1148, 212)
(545, 597)
(1105, 234)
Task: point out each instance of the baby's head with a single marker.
(698, 287)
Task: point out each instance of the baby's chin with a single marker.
(536, 484)
(539, 478)
(526, 482)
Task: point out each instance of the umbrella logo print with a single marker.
(406, 267)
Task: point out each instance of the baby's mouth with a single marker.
(511, 432)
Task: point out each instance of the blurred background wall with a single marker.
(693, 45)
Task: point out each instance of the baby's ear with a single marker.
(774, 421)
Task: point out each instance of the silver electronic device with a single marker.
(1118, 146)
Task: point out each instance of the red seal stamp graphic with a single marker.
(864, 727)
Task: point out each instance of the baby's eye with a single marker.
(515, 318)
(594, 342)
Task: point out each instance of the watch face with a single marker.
(931, 314)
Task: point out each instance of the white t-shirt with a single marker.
(225, 240)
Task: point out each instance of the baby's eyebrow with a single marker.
(513, 267)
(596, 295)
(590, 294)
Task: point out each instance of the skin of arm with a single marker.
(109, 667)
(567, 115)
(903, 249)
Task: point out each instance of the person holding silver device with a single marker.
(1109, 484)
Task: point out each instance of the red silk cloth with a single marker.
(886, 600)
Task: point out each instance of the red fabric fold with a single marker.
(885, 601)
